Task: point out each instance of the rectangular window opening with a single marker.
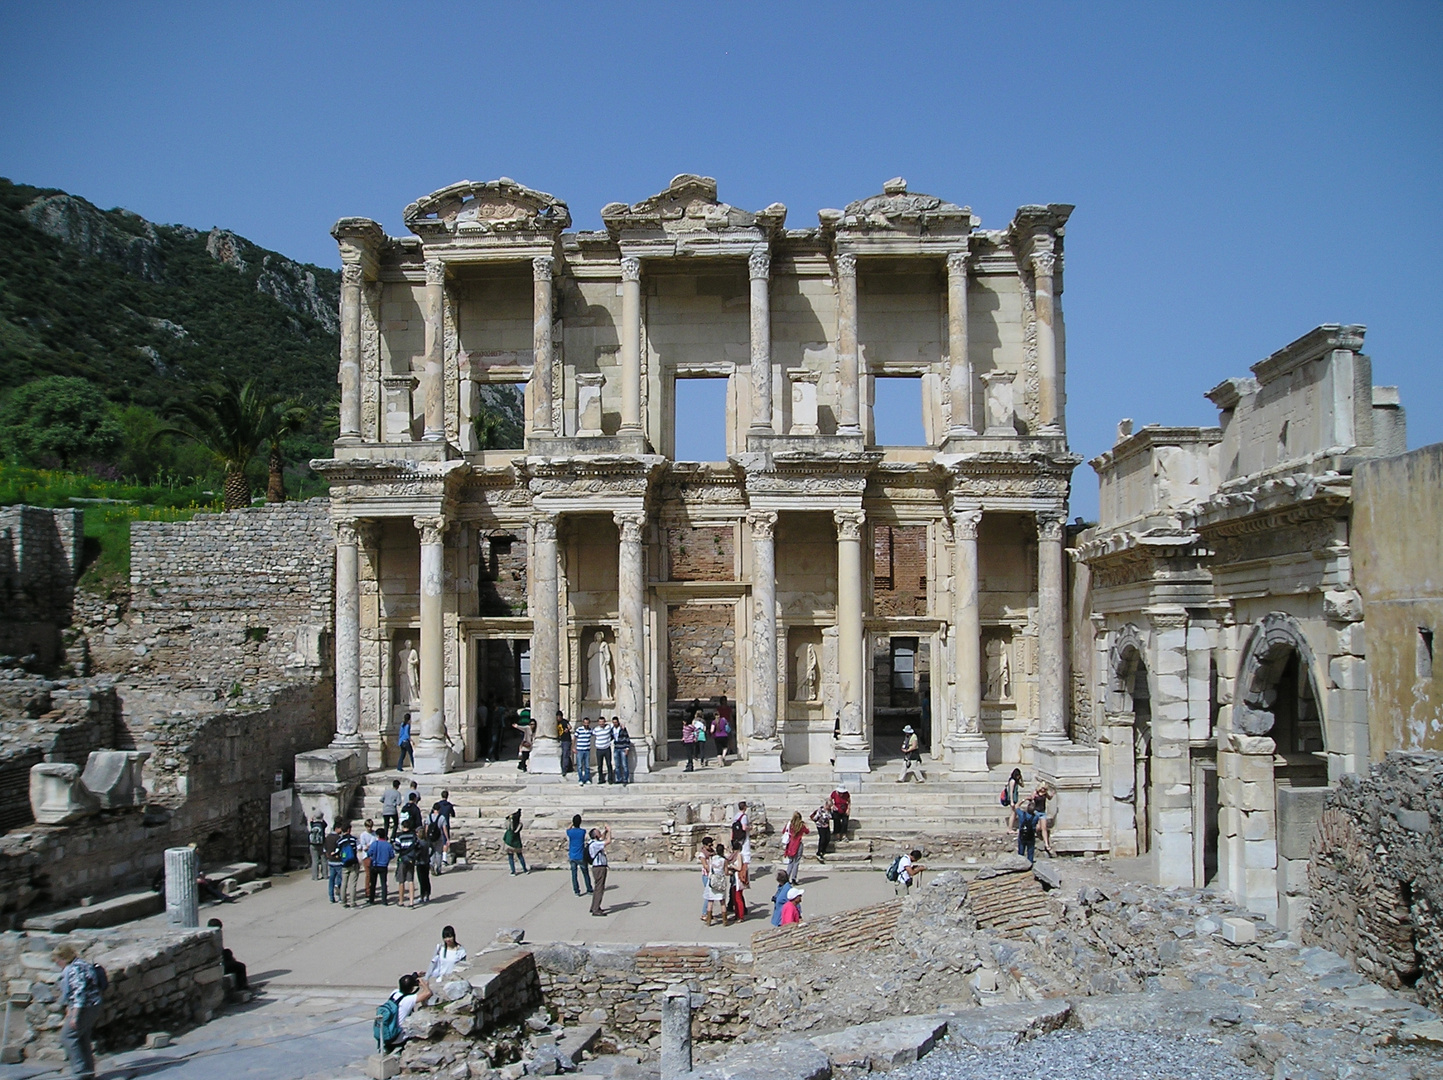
(897, 411)
(904, 664)
(701, 419)
(500, 419)
(1424, 667)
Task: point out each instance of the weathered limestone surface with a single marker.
(40, 558)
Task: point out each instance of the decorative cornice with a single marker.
(494, 206)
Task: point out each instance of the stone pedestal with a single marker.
(435, 756)
(113, 778)
(329, 777)
(804, 401)
(544, 765)
(182, 908)
(57, 797)
(1073, 772)
(588, 404)
(675, 1032)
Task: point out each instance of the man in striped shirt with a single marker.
(601, 739)
(581, 744)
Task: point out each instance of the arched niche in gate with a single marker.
(1129, 694)
(1278, 697)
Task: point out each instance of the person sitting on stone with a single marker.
(229, 965)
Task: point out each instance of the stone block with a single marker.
(113, 777)
(883, 1045)
(1001, 1026)
(1260, 854)
(1348, 673)
(1170, 688)
(57, 797)
(1293, 913)
(1346, 640)
(383, 1066)
(1298, 813)
(1239, 931)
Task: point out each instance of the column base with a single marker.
(764, 757)
(851, 761)
(641, 757)
(968, 754)
(329, 777)
(544, 765)
(435, 756)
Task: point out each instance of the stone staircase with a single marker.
(661, 817)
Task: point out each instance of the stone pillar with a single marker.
(433, 752)
(848, 376)
(348, 636)
(182, 908)
(852, 754)
(959, 381)
(350, 376)
(676, 1032)
(1043, 263)
(631, 346)
(1051, 628)
(759, 264)
(966, 742)
(545, 648)
(434, 381)
(543, 411)
(631, 634)
(765, 750)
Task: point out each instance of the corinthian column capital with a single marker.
(846, 265)
(849, 523)
(345, 531)
(630, 269)
(542, 267)
(1043, 263)
(352, 274)
(630, 522)
(545, 527)
(759, 262)
(431, 529)
(763, 523)
(966, 522)
(957, 262)
(1050, 525)
(435, 272)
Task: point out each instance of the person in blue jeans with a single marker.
(403, 742)
(621, 750)
(381, 855)
(582, 740)
(1027, 821)
(576, 854)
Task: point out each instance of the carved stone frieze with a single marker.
(689, 205)
(495, 206)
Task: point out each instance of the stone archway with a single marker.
(1278, 698)
(1129, 709)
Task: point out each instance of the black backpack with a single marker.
(346, 850)
(433, 831)
(1027, 828)
(318, 833)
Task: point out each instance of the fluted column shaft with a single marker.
(631, 629)
(350, 374)
(849, 420)
(435, 383)
(850, 665)
(348, 636)
(959, 376)
(764, 627)
(543, 410)
(545, 646)
(631, 345)
(1051, 631)
(1043, 263)
(967, 622)
(760, 267)
(433, 635)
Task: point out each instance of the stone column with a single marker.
(348, 636)
(435, 380)
(545, 649)
(631, 346)
(849, 406)
(1042, 267)
(543, 411)
(967, 745)
(631, 632)
(432, 750)
(1051, 627)
(852, 751)
(350, 377)
(765, 750)
(759, 264)
(676, 1032)
(182, 906)
(959, 375)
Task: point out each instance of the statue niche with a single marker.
(997, 653)
(408, 674)
(600, 669)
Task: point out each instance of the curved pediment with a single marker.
(495, 206)
(901, 210)
(688, 205)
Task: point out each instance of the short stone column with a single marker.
(348, 635)
(759, 266)
(1043, 263)
(1051, 629)
(543, 412)
(849, 412)
(434, 381)
(545, 759)
(631, 634)
(959, 368)
(852, 752)
(966, 744)
(675, 1032)
(764, 752)
(631, 346)
(182, 907)
(433, 753)
(350, 374)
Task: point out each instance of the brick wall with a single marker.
(701, 651)
(899, 570)
(861, 928)
(41, 720)
(40, 551)
(502, 578)
(703, 553)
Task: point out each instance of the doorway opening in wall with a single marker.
(1298, 727)
(701, 419)
(500, 419)
(503, 686)
(901, 693)
(1142, 756)
(897, 411)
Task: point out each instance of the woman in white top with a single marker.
(448, 954)
(718, 884)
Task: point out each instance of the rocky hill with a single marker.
(148, 311)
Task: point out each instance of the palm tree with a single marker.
(233, 420)
(290, 418)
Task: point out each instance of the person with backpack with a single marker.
(391, 808)
(381, 855)
(403, 744)
(511, 843)
(411, 813)
(621, 751)
(348, 854)
(1012, 796)
(718, 884)
(1027, 819)
(81, 991)
(334, 869)
(316, 838)
(576, 855)
(596, 848)
(911, 756)
(411, 991)
(904, 871)
(437, 837)
(792, 845)
(445, 810)
(405, 845)
(721, 729)
(421, 856)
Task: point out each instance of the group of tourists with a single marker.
(607, 747)
(702, 728)
(414, 989)
(415, 843)
(1028, 815)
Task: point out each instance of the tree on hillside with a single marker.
(233, 420)
(59, 420)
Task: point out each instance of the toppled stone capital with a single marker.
(113, 778)
(57, 796)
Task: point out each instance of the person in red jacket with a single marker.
(841, 812)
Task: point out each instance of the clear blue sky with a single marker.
(1241, 172)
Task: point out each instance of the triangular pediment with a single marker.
(492, 206)
(900, 210)
(689, 204)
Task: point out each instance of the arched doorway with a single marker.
(1130, 708)
(1280, 700)
(1142, 754)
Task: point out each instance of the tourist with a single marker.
(381, 855)
(596, 848)
(822, 819)
(1039, 804)
(908, 868)
(621, 750)
(792, 844)
(80, 993)
(841, 812)
(411, 813)
(1012, 795)
(736, 896)
(688, 740)
(363, 845)
(721, 729)
(563, 737)
(784, 886)
(528, 736)
(703, 858)
(718, 885)
(422, 858)
(601, 739)
(700, 725)
(576, 854)
(206, 889)
(229, 965)
(792, 906)
(447, 955)
(334, 866)
(410, 992)
(406, 843)
(742, 829)
(581, 740)
(443, 812)
(348, 852)
(391, 808)
(1026, 819)
(316, 838)
(911, 756)
(511, 843)
(403, 744)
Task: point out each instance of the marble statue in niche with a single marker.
(408, 674)
(809, 673)
(999, 669)
(600, 675)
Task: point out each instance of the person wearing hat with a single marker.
(792, 907)
(911, 756)
(841, 812)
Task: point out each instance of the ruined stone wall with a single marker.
(1376, 874)
(899, 570)
(158, 979)
(40, 552)
(701, 651)
(41, 720)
